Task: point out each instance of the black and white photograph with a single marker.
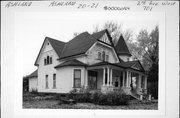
(108, 66)
(107, 59)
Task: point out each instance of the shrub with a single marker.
(34, 91)
(110, 98)
(80, 97)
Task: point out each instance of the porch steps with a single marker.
(135, 95)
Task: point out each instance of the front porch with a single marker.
(107, 78)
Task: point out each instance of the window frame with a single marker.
(103, 55)
(46, 82)
(99, 55)
(54, 81)
(77, 78)
(107, 57)
(50, 60)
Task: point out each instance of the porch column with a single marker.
(139, 81)
(127, 75)
(86, 78)
(129, 79)
(123, 78)
(104, 71)
(145, 82)
(111, 71)
(108, 76)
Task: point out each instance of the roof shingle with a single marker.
(73, 62)
(33, 74)
(121, 47)
(80, 44)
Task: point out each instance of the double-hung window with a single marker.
(46, 81)
(99, 55)
(77, 78)
(54, 81)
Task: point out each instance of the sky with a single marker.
(32, 28)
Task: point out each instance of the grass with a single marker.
(54, 104)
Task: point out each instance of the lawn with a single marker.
(44, 101)
(53, 104)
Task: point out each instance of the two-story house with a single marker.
(87, 61)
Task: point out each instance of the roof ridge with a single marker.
(54, 39)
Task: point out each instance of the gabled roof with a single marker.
(128, 64)
(57, 45)
(132, 64)
(80, 44)
(121, 47)
(73, 62)
(33, 74)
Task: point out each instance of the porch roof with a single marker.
(124, 65)
(73, 62)
(105, 63)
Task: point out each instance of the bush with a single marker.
(111, 98)
(80, 97)
(34, 91)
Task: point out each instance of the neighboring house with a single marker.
(88, 61)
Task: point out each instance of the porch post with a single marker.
(123, 78)
(104, 69)
(129, 78)
(108, 76)
(145, 82)
(127, 75)
(139, 81)
(111, 70)
(86, 78)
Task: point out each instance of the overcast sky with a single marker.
(32, 28)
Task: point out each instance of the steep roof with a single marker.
(121, 47)
(57, 45)
(33, 74)
(80, 44)
(132, 64)
(73, 62)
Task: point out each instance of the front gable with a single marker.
(105, 39)
(138, 66)
(45, 48)
(96, 52)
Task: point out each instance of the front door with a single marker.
(92, 79)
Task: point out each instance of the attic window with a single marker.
(99, 55)
(47, 43)
(107, 57)
(48, 60)
(103, 56)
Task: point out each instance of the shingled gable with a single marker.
(121, 47)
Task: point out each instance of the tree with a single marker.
(148, 44)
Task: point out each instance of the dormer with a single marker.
(122, 49)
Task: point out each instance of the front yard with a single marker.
(48, 103)
(53, 104)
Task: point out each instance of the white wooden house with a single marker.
(87, 61)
